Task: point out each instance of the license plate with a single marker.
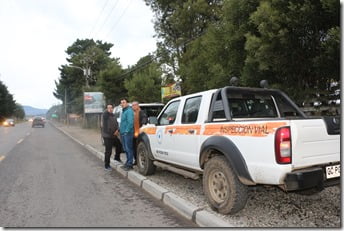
(333, 171)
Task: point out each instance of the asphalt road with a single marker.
(48, 180)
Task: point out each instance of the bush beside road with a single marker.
(267, 206)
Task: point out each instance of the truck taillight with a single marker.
(283, 145)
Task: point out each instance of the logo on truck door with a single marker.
(256, 130)
(159, 136)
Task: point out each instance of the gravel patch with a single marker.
(267, 206)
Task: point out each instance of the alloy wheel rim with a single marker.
(142, 160)
(218, 186)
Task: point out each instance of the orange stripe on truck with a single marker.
(253, 129)
(148, 130)
(184, 129)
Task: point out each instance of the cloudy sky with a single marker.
(35, 34)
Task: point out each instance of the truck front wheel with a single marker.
(225, 193)
(144, 163)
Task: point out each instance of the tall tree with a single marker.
(291, 38)
(86, 58)
(177, 23)
(19, 111)
(7, 103)
(111, 82)
(219, 54)
(145, 84)
(293, 44)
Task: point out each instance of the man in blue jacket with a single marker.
(127, 133)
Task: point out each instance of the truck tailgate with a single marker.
(311, 143)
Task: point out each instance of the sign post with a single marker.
(94, 103)
(171, 91)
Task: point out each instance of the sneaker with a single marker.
(119, 160)
(126, 168)
(108, 168)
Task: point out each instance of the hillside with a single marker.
(31, 111)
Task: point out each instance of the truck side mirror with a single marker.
(153, 120)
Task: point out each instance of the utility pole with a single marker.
(87, 73)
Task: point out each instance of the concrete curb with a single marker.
(205, 219)
(122, 171)
(136, 178)
(183, 207)
(186, 209)
(154, 189)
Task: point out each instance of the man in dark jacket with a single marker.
(109, 130)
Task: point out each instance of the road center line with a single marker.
(19, 141)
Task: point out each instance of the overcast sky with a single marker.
(36, 33)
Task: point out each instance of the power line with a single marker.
(154, 57)
(137, 68)
(107, 17)
(100, 13)
(118, 20)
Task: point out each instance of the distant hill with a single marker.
(31, 111)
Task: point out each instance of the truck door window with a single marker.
(170, 113)
(191, 109)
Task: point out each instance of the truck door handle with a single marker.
(170, 131)
(191, 131)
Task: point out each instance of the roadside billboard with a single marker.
(171, 91)
(94, 102)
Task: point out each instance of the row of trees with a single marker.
(293, 44)
(8, 106)
(203, 43)
(90, 68)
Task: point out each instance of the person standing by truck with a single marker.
(127, 133)
(140, 118)
(109, 130)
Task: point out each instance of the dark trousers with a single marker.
(135, 148)
(118, 148)
(108, 142)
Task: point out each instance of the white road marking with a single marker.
(19, 141)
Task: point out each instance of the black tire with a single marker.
(225, 193)
(144, 163)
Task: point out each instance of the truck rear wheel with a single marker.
(225, 193)
(144, 163)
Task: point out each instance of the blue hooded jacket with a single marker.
(127, 121)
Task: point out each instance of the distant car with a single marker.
(334, 99)
(315, 100)
(38, 121)
(8, 123)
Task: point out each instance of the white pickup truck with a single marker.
(237, 137)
